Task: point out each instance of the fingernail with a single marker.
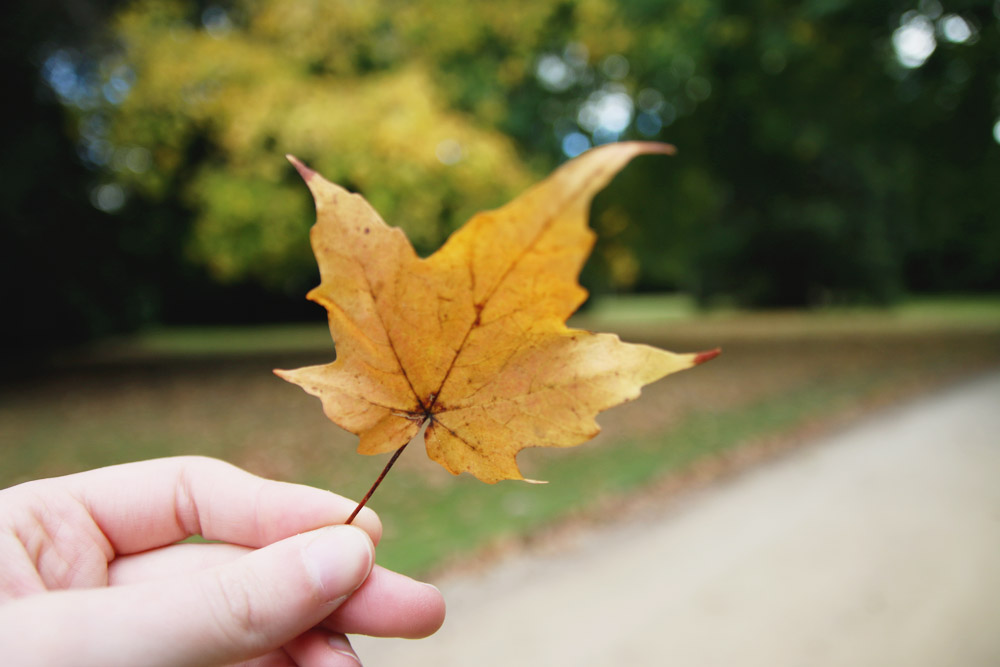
(340, 645)
(339, 558)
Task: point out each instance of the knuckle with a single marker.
(235, 611)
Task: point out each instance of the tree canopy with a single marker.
(829, 150)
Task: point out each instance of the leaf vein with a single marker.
(516, 261)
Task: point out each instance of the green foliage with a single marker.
(816, 163)
(831, 155)
(219, 97)
(60, 258)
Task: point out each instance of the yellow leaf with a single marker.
(473, 339)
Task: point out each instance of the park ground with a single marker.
(783, 378)
(874, 546)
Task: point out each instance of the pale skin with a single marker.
(92, 572)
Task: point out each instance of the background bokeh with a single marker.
(830, 151)
(830, 220)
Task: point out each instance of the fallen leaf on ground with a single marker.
(473, 339)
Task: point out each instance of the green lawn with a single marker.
(211, 392)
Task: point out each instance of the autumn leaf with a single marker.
(473, 339)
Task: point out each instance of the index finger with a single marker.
(149, 504)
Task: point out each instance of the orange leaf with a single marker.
(472, 340)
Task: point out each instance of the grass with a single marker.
(222, 341)
(210, 391)
(598, 477)
(604, 313)
(463, 515)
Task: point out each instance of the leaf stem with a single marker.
(374, 486)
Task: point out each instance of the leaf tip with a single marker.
(646, 147)
(708, 355)
(305, 172)
(666, 149)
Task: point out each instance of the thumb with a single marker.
(221, 615)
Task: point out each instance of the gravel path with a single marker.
(877, 546)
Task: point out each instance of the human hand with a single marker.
(92, 573)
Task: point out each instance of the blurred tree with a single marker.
(204, 100)
(854, 145)
(60, 258)
(831, 150)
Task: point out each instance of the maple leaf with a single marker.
(473, 339)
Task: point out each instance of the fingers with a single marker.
(171, 561)
(388, 604)
(236, 611)
(149, 504)
(322, 648)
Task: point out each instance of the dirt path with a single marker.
(877, 546)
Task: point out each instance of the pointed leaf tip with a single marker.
(702, 357)
(634, 148)
(305, 172)
(666, 149)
